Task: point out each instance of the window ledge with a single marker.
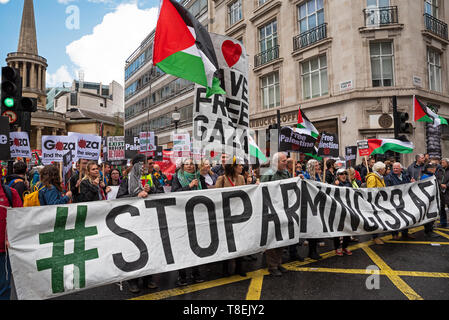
(236, 27)
(268, 64)
(370, 29)
(264, 9)
(430, 35)
(322, 43)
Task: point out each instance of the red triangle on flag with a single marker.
(172, 34)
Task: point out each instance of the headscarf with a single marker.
(186, 178)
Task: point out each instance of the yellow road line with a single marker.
(256, 277)
(381, 272)
(397, 281)
(255, 287)
(418, 242)
(199, 286)
(441, 234)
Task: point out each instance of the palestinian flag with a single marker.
(306, 126)
(425, 114)
(183, 47)
(381, 146)
(314, 155)
(255, 151)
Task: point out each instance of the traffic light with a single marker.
(11, 94)
(28, 104)
(403, 125)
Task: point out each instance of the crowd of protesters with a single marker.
(90, 181)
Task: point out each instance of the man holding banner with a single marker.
(278, 171)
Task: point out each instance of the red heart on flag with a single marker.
(231, 52)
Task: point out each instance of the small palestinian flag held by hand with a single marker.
(425, 114)
(183, 47)
(306, 126)
(381, 146)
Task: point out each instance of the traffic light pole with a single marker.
(396, 123)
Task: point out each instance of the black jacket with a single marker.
(393, 180)
(89, 192)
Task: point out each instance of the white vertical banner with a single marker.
(221, 122)
(20, 145)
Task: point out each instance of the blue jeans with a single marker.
(5, 277)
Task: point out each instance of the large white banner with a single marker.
(20, 145)
(57, 250)
(221, 122)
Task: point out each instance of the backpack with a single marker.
(13, 182)
(32, 199)
(8, 194)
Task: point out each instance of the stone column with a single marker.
(44, 78)
(39, 138)
(39, 77)
(33, 83)
(25, 75)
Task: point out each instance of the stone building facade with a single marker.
(341, 61)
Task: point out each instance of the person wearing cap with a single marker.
(341, 247)
(429, 171)
(342, 178)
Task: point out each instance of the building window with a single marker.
(311, 15)
(431, 8)
(270, 91)
(314, 78)
(382, 59)
(235, 12)
(434, 67)
(268, 36)
(261, 2)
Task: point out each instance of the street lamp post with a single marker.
(176, 116)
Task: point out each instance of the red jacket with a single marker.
(17, 203)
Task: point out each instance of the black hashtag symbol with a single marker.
(79, 256)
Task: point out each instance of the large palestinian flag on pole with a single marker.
(183, 47)
(305, 126)
(425, 114)
(381, 146)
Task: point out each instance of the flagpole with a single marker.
(148, 115)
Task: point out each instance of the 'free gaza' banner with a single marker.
(86, 245)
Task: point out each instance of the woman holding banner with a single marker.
(187, 178)
(90, 189)
(313, 172)
(51, 192)
(342, 247)
(375, 179)
(232, 178)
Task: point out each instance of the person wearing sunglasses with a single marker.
(341, 243)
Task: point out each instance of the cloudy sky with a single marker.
(98, 43)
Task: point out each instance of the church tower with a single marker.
(32, 66)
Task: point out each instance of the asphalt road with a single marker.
(406, 270)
